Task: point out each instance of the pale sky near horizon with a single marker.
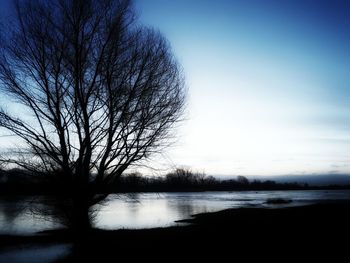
(268, 84)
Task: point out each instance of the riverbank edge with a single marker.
(322, 225)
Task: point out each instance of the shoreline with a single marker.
(323, 225)
(4, 192)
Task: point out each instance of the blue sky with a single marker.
(268, 81)
(269, 84)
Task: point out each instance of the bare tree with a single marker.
(97, 92)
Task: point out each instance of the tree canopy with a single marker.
(98, 92)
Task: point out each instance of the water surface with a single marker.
(23, 215)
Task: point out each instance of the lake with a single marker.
(21, 215)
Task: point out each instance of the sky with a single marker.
(268, 81)
(268, 84)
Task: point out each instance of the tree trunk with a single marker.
(81, 221)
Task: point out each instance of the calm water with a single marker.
(21, 215)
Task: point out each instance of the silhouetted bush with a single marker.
(184, 178)
(242, 180)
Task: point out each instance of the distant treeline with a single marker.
(186, 180)
(17, 181)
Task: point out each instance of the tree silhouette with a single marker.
(97, 93)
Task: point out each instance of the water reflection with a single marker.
(25, 215)
(137, 211)
(34, 254)
(187, 205)
(10, 209)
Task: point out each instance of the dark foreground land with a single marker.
(286, 234)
